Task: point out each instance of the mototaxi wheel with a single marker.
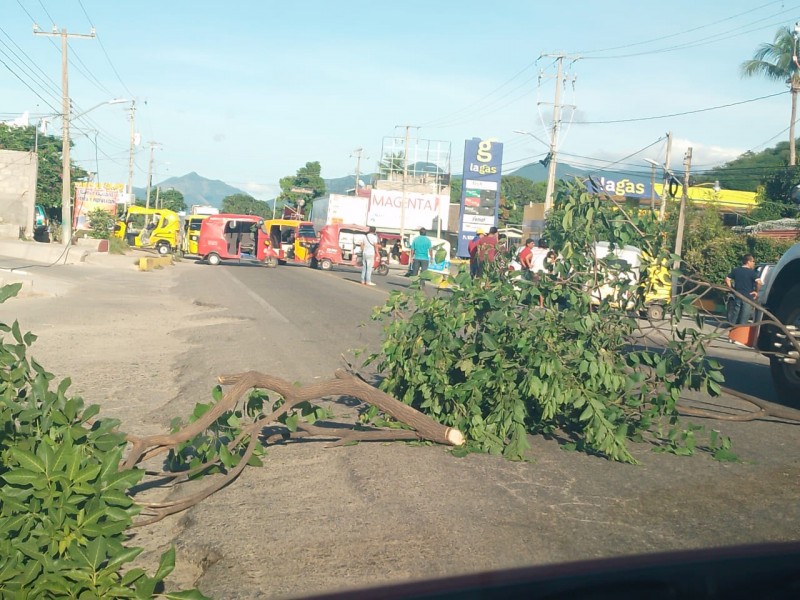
(325, 264)
(655, 312)
(382, 270)
(785, 376)
(163, 249)
(213, 259)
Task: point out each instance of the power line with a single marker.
(679, 33)
(680, 114)
(103, 48)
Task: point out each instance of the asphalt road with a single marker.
(316, 518)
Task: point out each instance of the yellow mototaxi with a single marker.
(157, 228)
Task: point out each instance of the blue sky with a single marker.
(247, 92)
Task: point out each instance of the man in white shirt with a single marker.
(368, 248)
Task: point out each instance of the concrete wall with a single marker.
(18, 171)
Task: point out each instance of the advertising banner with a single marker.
(90, 196)
(480, 189)
(421, 210)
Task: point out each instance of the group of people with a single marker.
(482, 250)
(532, 257)
(421, 254)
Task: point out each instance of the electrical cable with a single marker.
(665, 37)
(680, 114)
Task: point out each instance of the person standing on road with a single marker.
(368, 246)
(742, 279)
(422, 253)
(525, 256)
(472, 247)
(487, 249)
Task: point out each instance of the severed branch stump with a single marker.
(344, 384)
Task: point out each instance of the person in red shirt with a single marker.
(486, 249)
(525, 256)
(473, 252)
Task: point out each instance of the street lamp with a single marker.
(66, 174)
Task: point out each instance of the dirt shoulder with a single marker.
(147, 346)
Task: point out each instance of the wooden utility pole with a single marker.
(665, 190)
(150, 173)
(132, 147)
(66, 174)
(557, 106)
(357, 154)
(405, 183)
(687, 166)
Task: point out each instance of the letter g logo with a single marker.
(484, 151)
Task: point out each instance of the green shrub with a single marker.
(64, 504)
(101, 224)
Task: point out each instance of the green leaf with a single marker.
(9, 291)
(166, 564)
(186, 595)
(22, 477)
(27, 460)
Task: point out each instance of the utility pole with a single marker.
(687, 166)
(557, 106)
(662, 210)
(357, 154)
(150, 173)
(130, 157)
(66, 180)
(405, 183)
(652, 188)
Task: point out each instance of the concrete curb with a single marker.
(154, 262)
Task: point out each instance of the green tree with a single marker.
(48, 182)
(307, 178)
(245, 204)
(776, 61)
(775, 196)
(391, 163)
(172, 200)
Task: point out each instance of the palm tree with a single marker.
(778, 61)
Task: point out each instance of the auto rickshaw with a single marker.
(340, 244)
(190, 233)
(231, 237)
(149, 228)
(293, 241)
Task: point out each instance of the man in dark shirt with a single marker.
(742, 279)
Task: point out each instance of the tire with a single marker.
(325, 264)
(213, 259)
(271, 262)
(655, 312)
(382, 270)
(785, 377)
(163, 249)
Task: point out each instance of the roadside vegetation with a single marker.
(500, 358)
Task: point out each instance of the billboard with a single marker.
(421, 210)
(90, 196)
(480, 189)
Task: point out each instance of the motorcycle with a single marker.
(382, 268)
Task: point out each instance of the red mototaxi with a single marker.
(339, 245)
(231, 237)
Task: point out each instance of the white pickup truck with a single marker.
(781, 296)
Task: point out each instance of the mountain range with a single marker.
(196, 189)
